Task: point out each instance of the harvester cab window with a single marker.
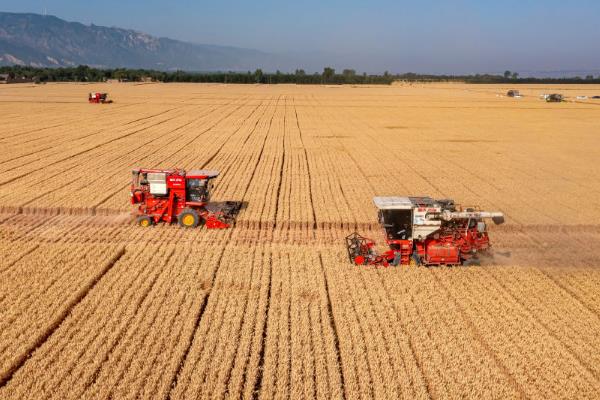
(197, 190)
(397, 223)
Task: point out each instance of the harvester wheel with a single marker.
(144, 221)
(189, 218)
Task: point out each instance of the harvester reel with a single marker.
(359, 249)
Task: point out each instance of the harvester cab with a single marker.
(99, 98)
(176, 195)
(421, 230)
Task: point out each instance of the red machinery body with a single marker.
(423, 231)
(99, 98)
(171, 195)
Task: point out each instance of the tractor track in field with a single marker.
(151, 288)
(472, 327)
(60, 318)
(491, 202)
(92, 211)
(582, 247)
(233, 133)
(98, 204)
(18, 258)
(68, 123)
(198, 318)
(569, 292)
(310, 179)
(334, 329)
(261, 355)
(382, 145)
(278, 193)
(545, 326)
(226, 243)
(4, 138)
(260, 154)
(429, 385)
(87, 150)
(112, 194)
(118, 157)
(151, 284)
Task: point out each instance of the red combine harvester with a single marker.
(176, 195)
(99, 98)
(423, 231)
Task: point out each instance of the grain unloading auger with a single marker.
(171, 195)
(423, 231)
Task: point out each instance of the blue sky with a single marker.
(399, 36)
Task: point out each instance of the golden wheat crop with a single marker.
(92, 306)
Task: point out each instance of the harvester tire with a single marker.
(144, 221)
(188, 218)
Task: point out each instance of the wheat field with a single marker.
(92, 306)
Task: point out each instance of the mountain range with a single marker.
(47, 41)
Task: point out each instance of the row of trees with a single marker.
(84, 73)
(515, 75)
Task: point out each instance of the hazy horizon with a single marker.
(398, 36)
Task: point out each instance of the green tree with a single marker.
(589, 77)
(328, 74)
(507, 74)
(515, 75)
(258, 75)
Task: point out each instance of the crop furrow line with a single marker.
(281, 169)
(198, 319)
(33, 131)
(310, 189)
(118, 190)
(22, 156)
(550, 332)
(541, 246)
(59, 320)
(262, 149)
(261, 355)
(481, 340)
(411, 343)
(334, 329)
(19, 258)
(82, 152)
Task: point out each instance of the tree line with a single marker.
(84, 73)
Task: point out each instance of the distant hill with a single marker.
(48, 41)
